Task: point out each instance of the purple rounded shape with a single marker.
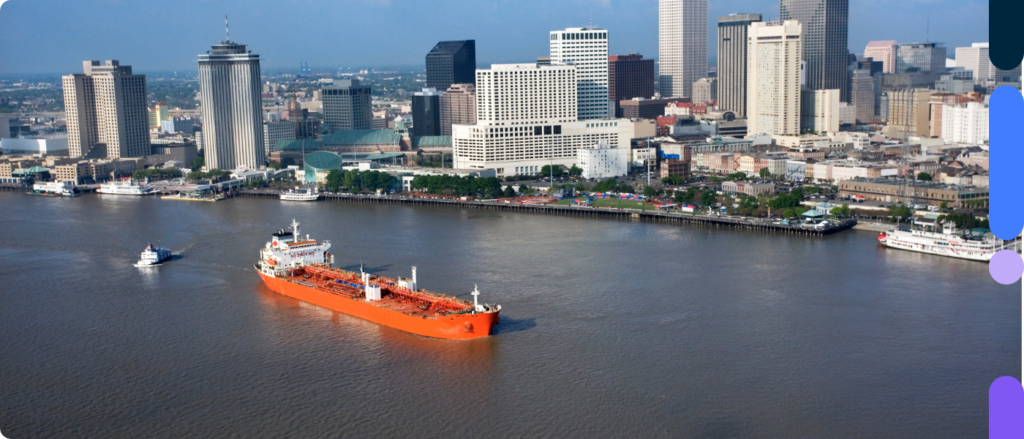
(1005, 409)
(1006, 267)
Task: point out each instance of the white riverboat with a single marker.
(309, 194)
(153, 256)
(975, 244)
(129, 187)
(54, 188)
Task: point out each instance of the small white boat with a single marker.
(153, 256)
(309, 194)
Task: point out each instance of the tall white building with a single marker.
(773, 77)
(527, 118)
(587, 49)
(975, 59)
(965, 123)
(106, 107)
(603, 161)
(682, 45)
(819, 111)
(229, 83)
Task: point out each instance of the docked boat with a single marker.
(300, 267)
(153, 256)
(309, 194)
(129, 187)
(974, 244)
(54, 189)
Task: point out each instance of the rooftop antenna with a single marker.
(227, 35)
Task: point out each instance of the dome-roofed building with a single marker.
(318, 164)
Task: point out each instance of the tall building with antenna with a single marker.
(232, 109)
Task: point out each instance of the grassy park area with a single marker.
(609, 202)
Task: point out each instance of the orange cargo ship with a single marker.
(302, 269)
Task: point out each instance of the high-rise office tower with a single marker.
(921, 57)
(884, 51)
(274, 131)
(682, 45)
(629, 76)
(825, 25)
(458, 107)
(908, 114)
(526, 118)
(773, 77)
(451, 62)
(975, 59)
(105, 107)
(232, 110)
(587, 49)
(732, 62)
(347, 105)
(862, 94)
(426, 113)
(705, 90)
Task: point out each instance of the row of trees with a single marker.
(358, 181)
(212, 175)
(695, 195)
(489, 187)
(612, 185)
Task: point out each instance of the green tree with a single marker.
(900, 211)
(944, 205)
(841, 211)
(715, 179)
(708, 198)
(275, 166)
(764, 173)
(526, 190)
(334, 180)
(198, 163)
(924, 176)
(650, 192)
(509, 192)
(582, 186)
(625, 188)
(575, 171)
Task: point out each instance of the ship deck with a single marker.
(393, 297)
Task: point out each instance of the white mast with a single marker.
(476, 297)
(295, 231)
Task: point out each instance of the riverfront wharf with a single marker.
(757, 224)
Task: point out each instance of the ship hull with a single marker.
(452, 327)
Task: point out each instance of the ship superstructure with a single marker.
(129, 187)
(309, 194)
(153, 256)
(300, 267)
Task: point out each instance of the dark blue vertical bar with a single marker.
(1006, 47)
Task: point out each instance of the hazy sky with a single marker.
(54, 36)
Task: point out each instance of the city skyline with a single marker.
(504, 33)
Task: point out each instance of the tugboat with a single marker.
(153, 256)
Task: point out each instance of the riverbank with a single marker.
(749, 223)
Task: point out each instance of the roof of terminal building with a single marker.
(297, 145)
(422, 141)
(362, 137)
